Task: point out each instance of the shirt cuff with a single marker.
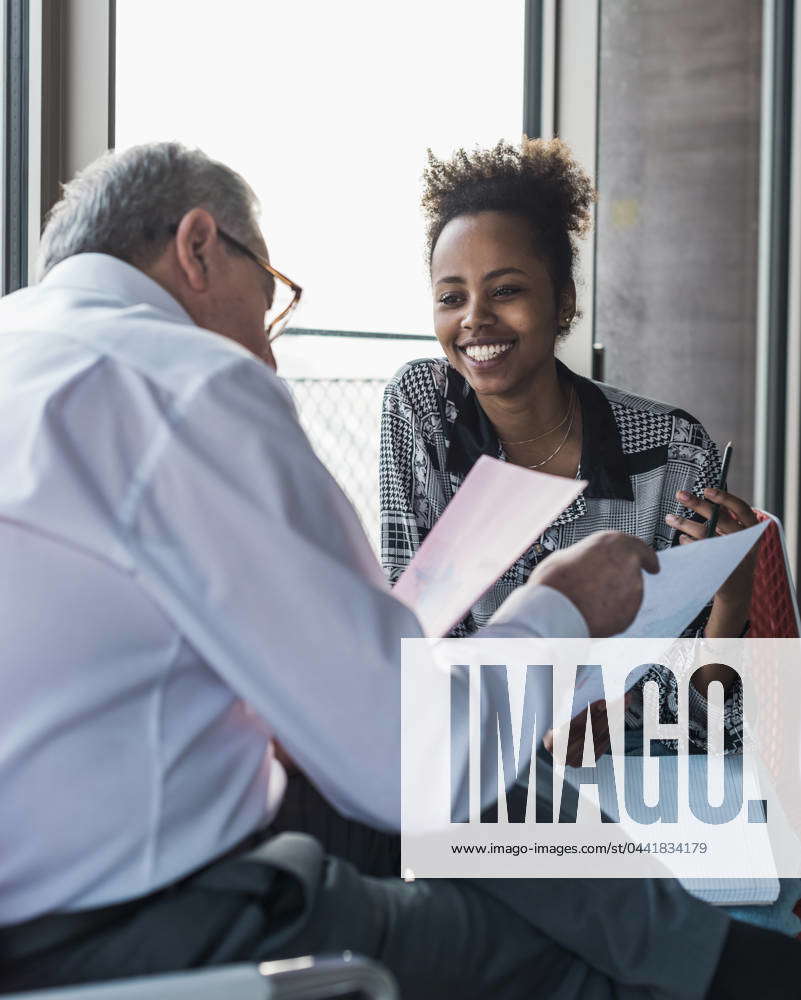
(537, 611)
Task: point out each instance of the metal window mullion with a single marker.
(34, 117)
(15, 215)
(112, 73)
(774, 244)
(576, 26)
(532, 69)
(792, 495)
(3, 36)
(540, 63)
(54, 21)
(299, 331)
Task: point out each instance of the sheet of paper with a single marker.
(499, 510)
(688, 577)
(687, 580)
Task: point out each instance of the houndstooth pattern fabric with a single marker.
(643, 452)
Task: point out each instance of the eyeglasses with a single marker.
(277, 317)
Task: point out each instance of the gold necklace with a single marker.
(561, 422)
(561, 443)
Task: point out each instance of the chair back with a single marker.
(320, 978)
(774, 608)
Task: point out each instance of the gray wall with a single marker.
(678, 150)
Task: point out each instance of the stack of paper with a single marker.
(750, 839)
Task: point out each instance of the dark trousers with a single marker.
(286, 898)
(487, 938)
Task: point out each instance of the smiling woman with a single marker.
(502, 225)
(498, 326)
(500, 238)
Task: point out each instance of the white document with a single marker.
(499, 510)
(687, 579)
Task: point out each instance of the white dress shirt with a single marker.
(181, 579)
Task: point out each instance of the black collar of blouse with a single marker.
(603, 463)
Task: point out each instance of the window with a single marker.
(14, 30)
(327, 110)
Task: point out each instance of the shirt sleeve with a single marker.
(406, 515)
(245, 540)
(400, 533)
(707, 459)
(701, 715)
(709, 469)
(693, 447)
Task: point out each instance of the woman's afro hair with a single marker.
(539, 181)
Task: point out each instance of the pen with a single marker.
(724, 472)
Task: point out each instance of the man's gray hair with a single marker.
(124, 203)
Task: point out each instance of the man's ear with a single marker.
(195, 242)
(567, 305)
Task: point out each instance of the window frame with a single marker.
(16, 75)
(773, 295)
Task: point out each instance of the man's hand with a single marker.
(602, 577)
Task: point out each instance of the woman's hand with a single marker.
(733, 599)
(578, 728)
(599, 713)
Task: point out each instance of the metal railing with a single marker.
(342, 419)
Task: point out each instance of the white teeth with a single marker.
(485, 352)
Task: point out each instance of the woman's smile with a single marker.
(483, 353)
(495, 307)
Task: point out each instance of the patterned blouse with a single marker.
(636, 453)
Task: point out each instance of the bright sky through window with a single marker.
(327, 110)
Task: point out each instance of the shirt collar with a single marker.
(603, 463)
(100, 271)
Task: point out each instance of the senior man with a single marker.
(182, 582)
